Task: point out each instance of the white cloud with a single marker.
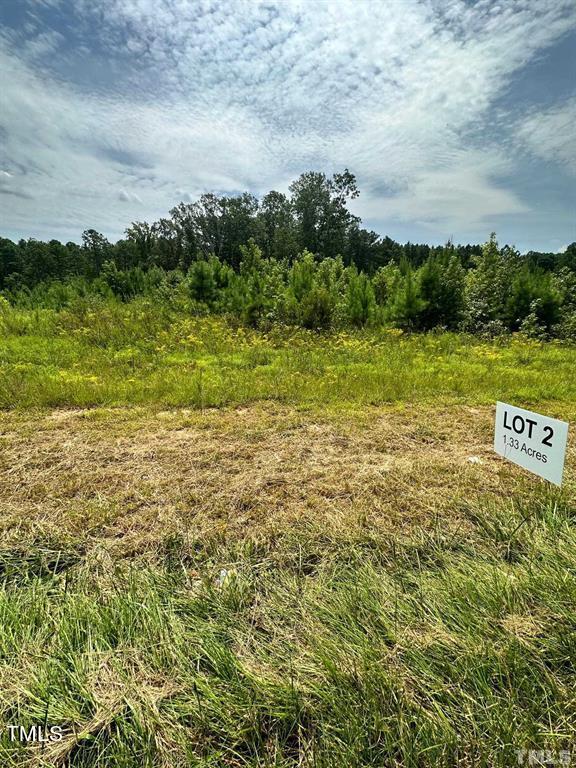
(184, 196)
(129, 197)
(246, 95)
(457, 198)
(551, 135)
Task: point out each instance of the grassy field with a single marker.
(144, 353)
(220, 547)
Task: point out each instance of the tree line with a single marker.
(302, 259)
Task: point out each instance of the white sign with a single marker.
(535, 442)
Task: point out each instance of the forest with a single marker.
(301, 259)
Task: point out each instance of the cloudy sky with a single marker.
(457, 118)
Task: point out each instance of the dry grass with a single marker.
(127, 479)
(387, 601)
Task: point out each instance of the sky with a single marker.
(456, 117)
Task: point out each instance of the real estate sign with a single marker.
(535, 442)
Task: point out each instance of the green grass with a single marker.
(140, 354)
(413, 651)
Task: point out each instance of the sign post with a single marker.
(531, 440)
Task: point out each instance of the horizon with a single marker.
(382, 236)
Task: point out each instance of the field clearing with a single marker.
(132, 477)
(341, 573)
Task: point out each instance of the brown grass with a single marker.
(125, 479)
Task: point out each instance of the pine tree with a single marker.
(201, 282)
(405, 306)
(441, 281)
(361, 301)
(486, 291)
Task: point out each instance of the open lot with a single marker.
(338, 573)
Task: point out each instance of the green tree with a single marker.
(317, 308)
(533, 302)
(201, 282)
(361, 301)
(278, 225)
(10, 260)
(568, 258)
(97, 250)
(385, 282)
(254, 286)
(486, 290)
(320, 207)
(167, 248)
(405, 304)
(301, 276)
(143, 236)
(441, 283)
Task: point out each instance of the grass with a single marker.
(410, 650)
(262, 571)
(138, 354)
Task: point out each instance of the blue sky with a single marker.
(457, 118)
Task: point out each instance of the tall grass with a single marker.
(437, 645)
(116, 354)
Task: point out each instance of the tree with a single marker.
(278, 226)
(568, 258)
(362, 249)
(201, 282)
(143, 236)
(533, 295)
(385, 282)
(182, 217)
(238, 225)
(37, 262)
(126, 254)
(317, 308)
(166, 251)
(390, 251)
(486, 290)
(10, 262)
(360, 299)
(205, 218)
(320, 207)
(406, 304)
(97, 250)
(123, 283)
(257, 300)
(441, 283)
(416, 254)
(311, 291)
(301, 277)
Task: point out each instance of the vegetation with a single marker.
(252, 516)
(265, 587)
(431, 650)
(141, 352)
(302, 260)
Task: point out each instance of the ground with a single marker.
(334, 571)
(128, 478)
